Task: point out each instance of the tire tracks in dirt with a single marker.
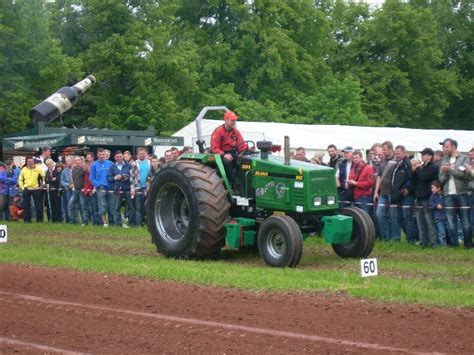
(130, 316)
(87, 312)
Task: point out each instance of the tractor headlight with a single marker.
(331, 200)
(317, 201)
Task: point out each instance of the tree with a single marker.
(399, 62)
(456, 37)
(32, 65)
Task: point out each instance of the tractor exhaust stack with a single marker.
(287, 150)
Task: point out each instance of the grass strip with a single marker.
(418, 279)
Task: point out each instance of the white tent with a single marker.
(316, 138)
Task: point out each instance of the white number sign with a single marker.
(368, 267)
(3, 233)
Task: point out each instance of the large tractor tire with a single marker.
(187, 209)
(363, 235)
(280, 241)
(371, 235)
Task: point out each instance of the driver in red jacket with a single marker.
(227, 141)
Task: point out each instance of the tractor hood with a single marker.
(298, 187)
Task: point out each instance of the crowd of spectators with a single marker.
(431, 200)
(90, 189)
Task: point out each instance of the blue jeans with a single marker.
(90, 208)
(406, 218)
(106, 201)
(364, 203)
(65, 197)
(426, 224)
(75, 202)
(471, 203)
(442, 229)
(140, 206)
(387, 219)
(458, 205)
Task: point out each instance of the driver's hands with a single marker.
(228, 156)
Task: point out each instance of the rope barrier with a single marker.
(399, 205)
(46, 188)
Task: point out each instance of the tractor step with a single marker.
(240, 232)
(337, 229)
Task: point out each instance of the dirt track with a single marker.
(47, 310)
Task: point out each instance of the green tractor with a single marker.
(192, 211)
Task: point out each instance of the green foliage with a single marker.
(32, 64)
(317, 62)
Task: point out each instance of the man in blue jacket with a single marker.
(119, 179)
(98, 177)
(9, 187)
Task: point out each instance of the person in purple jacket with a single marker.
(439, 213)
(98, 177)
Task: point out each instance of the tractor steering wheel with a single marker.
(249, 150)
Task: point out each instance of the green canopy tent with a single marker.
(35, 141)
(79, 140)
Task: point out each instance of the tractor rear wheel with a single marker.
(187, 209)
(362, 238)
(280, 241)
(371, 235)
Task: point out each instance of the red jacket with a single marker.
(88, 187)
(224, 141)
(364, 175)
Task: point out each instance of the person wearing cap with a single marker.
(342, 175)
(30, 182)
(424, 175)
(227, 141)
(455, 177)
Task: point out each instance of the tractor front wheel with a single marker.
(362, 238)
(187, 209)
(280, 241)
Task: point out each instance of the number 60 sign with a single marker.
(3, 233)
(368, 267)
